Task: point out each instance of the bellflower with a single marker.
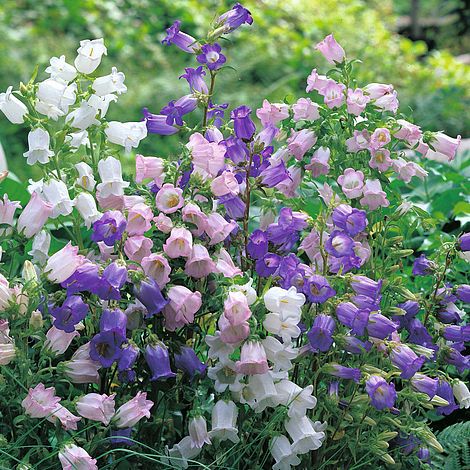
(267, 265)
(321, 333)
(257, 246)
(195, 79)
(382, 395)
(72, 311)
(331, 50)
(305, 109)
(151, 296)
(425, 384)
(352, 183)
(243, 125)
(423, 266)
(406, 360)
(343, 372)
(352, 221)
(319, 162)
(234, 18)
(318, 289)
(183, 41)
(187, 361)
(300, 142)
(157, 123)
(129, 414)
(333, 94)
(109, 228)
(14, 109)
(158, 361)
(38, 141)
(211, 56)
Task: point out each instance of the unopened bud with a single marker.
(406, 293)
(29, 272)
(382, 444)
(439, 401)
(403, 253)
(36, 321)
(388, 435)
(387, 458)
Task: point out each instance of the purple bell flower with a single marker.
(355, 345)
(158, 360)
(234, 18)
(463, 293)
(157, 123)
(150, 296)
(121, 437)
(457, 334)
(187, 361)
(83, 279)
(175, 110)
(406, 443)
(105, 347)
(109, 228)
(418, 333)
(181, 40)
(216, 113)
(424, 455)
(243, 125)
(321, 333)
(267, 265)
(366, 303)
(333, 389)
(318, 289)
(257, 245)
(211, 56)
(113, 320)
(345, 263)
(351, 316)
(464, 242)
(352, 221)
(382, 395)
(111, 282)
(362, 285)
(339, 244)
(285, 232)
(195, 79)
(267, 135)
(71, 312)
(235, 149)
(273, 175)
(234, 206)
(379, 326)
(406, 360)
(444, 390)
(128, 357)
(423, 266)
(449, 314)
(411, 308)
(424, 384)
(343, 372)
(454, 357)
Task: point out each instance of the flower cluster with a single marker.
(257, 280)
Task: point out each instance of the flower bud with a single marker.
(370, 421)
(29, 273)
(387, 458)
(382, 444)
(36, 322)
(387, 435)
(406, 293)
(438, 401)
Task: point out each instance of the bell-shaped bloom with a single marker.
(61, 265)
(83, 117)
(212, 56)
(157, 123)
(217, 228)
(150, 295)
(138, 247)
(243, 125)
(58, 341)
(40, 401)
(7, 213)
(321, 333)
(272, 113)
(85, 179)
(359, 141)
(373, 195)
(163, 223)
(39, 151)
(305, 110)
(148, 167)
(352, 183)
(225, 265)
(331, 50)
(316, 82)
(126, 134)
(300, 142)
(183, 305)
(86, 205)
(109, 228)
(60, 69)
(298, 400)
(156, 266)
(72, 311)
(303, 434)
(169, 199)
(224, 422)
(461, 393)
(257, 245)
(81, 368)
(112, 83)
(381, 160)
(281, 450)
(380, 326)
(351, 220)
(319, 162)
(207, 157)
(194, 77)
(183, 41)
(379, 138)
(66, 418)
(105, 347)
(14, 109)
(406, 360)
(192, 213)
(424, 384)
(445, 145)
(318, 289)
(252, 359)
(234, 18)
(110, 172)
(89, 55)
(129, 414)
(138, 219)
(236, 309)
(56, 193)
(286, 302)
(333, 94)
(158, 360)
(463, 293)
(356, 101)
(198, 432)
(410, 133)
(232, 334)
(73, 457)
(199, 264)
(187, 361)
(225, 184)
(348, 373)
(96, 407)
(179, 243)
(382, 394)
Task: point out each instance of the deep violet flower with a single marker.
(352, 221)
(187, 361)
(343, 372)
(267, 265)
(382, 395)
(157, 123)
(105, 347)
(444, 390)
(211, 56)
(318, 289)
(150, 295)
(321, 333)
(158, 360)
(71, 312)
(195, 79)
(108, 286)
(243, 125)
(83, 279)
(109, 228)
(257, 245)
(339, 244)
(406, 360)
(422, 266)
(182, 40)
(234, 18)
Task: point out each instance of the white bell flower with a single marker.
(224, 421)
(298, 399)
(225, 376)
(86, 178)
(14, 109)
(56, 193)
(248, 290)
(127, 134)
(101, 103)
(49, 110)
(279, 354)
(40, 248)
(286, 302)
(303, 435)
(286, 329)
(89, 55)
(86, 206)
(112, 83)
(461, 393)
(180, 453)
(59, 68)
(263, 391)
(198, 432)
(112, 183)
(218, 349)
(83, 117)
(281, 450)
(38, 142)
(77, 139)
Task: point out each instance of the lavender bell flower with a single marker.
(464, 242)
(243, 126)
(150, 296)
(411, 308)
(187, 361)
(211, 56)
(157, 123)
(216, 113)
(352, 221)
(444, 390)
(175, 110)
(362, 285)
(454, 357)
(128, 357)
(234, 206)
(267, 265)
(257, 245)
(379, 326)
(113, 320)
(422, 266)
(352, 317)
(71, 312)
(105, 347)
(285, 233)
(195, 79)
(406, 360)
(382, 395)
(343, 372)
(111, 282)
(418, 333)
(273, 175)
(83, 279)
(158, 360)
(355, 345)
(182, 40)
(457, 333)
(109, 228)
(339, 244)
(463, 293)
(234, 18)
(321, 333)
(424, 384)
(121, 437)
(318, 289)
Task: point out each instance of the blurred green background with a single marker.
(272, 58)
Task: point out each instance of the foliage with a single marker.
(456, 443)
